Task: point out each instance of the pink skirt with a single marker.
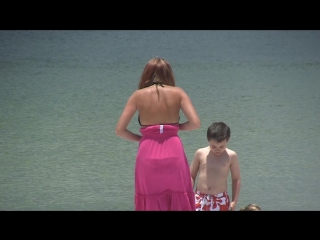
(162, 172)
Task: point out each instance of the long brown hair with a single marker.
(157, 71)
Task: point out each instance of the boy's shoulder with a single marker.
(202, 150)
(231, 152)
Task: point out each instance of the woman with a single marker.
(162, 173)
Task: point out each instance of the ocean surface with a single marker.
(62, 92)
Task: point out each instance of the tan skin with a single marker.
(212, 165)
(157, 109)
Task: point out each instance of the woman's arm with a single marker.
(194, 167)
(190, 113)
(126, 116)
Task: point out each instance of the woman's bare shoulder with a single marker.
(139, 92)
(178, 90)
(134, 93)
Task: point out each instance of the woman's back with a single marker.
(159, 104)
(158, 101)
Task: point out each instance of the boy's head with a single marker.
(251, 207)
(218, 135)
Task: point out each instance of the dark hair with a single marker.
(218, 131)
(157, 70)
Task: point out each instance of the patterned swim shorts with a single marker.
(207, 202)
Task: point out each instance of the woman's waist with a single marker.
(160, 128)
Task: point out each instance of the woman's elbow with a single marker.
(118, 132)
(197, 124)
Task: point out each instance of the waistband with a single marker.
(160, 128)
(223, 194)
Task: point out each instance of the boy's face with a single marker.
(218, 147)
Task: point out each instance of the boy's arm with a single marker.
(236, 181)
(195, 167)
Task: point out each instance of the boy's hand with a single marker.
(232, 206)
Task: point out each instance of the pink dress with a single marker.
(162, 173)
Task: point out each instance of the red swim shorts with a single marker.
(207, 202)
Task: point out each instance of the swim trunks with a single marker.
(207, 202)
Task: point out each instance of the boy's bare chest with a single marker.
(215, 164)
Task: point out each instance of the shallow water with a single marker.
(61, 93)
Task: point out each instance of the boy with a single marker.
(213, 164)
(251, 207)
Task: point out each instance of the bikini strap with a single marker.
(139, 119)
(158, 83)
